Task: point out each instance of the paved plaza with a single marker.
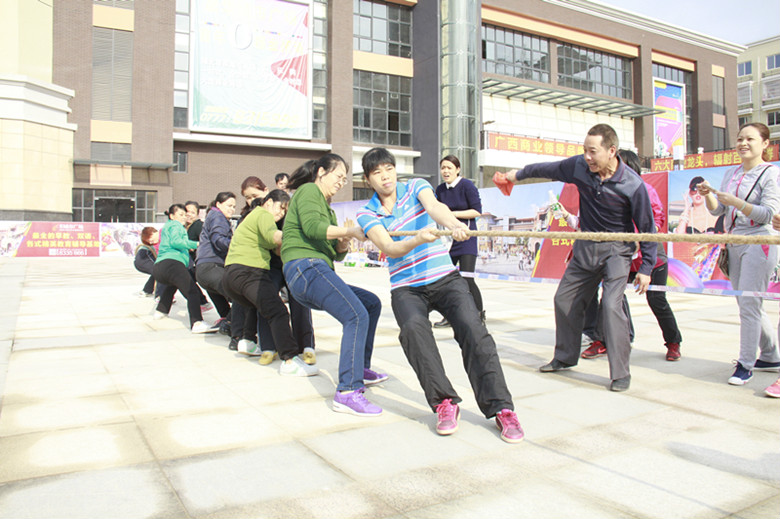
(109, 413)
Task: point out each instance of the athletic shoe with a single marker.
(672, 351)
(596, 350)
(773, 390)
(206, 307)
(309, 357)
(447, 417)
(224, 327)
(585, 340)
(159, 315)
(354, 402)
(372, 377)
(267, 357)
(203, 327)
(555, 365)
(620, 384)
(444, 323)
(509, 425)
(248, 347)
(233, 346)
(741, 376)
(145, 294)
(295, 367)
(762, 365)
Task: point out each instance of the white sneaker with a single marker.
(144, 294)
(203, 327)
(309, 357)
(248, 347)
(295, 367)
(159, 315)
(205, 308)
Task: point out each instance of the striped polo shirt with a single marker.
(422, 265)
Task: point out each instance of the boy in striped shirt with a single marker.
(422, 278)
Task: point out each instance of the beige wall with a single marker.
(26, 38)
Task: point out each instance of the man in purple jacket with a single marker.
(613, 198)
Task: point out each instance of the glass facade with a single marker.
(594, 71)
(516, 54)
(142, 204)
(381, 108)
(382, 28)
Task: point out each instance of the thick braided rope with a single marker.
(734, 239)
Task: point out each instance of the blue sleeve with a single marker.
(562, 170)
(366, 220)
(220, 237)
(472, 196)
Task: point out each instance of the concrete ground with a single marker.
(108, 413)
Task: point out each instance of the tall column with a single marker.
(460, 83)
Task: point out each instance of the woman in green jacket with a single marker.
(171, 269)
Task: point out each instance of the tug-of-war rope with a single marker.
(719, 239)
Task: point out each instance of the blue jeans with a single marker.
(314, 284)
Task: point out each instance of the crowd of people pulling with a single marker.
(284, 246)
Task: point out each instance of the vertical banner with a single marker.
(250, 67)
(670, 124)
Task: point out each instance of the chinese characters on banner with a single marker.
(68, 239)
(506, 142)
(711, 159)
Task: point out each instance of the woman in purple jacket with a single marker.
(213, 248)
(462, 197)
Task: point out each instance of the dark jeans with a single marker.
(660, 306)
(209, 276)
(176, 276)
(450, 296)
(468, 263)
(314, 284)
(253, 288)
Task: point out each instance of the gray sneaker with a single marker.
(296, 367)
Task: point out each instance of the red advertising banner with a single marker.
(508, 142)
(46, 239)
(710, 159)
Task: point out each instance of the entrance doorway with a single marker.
(114, 210)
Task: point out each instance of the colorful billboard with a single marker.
(670, 123)
(250, 68)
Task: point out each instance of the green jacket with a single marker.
(306, 225)
(253, 240)
(174, 243)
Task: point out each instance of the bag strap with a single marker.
(733, 220)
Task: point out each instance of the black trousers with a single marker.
(209, 276)
(176, 276)
(468, 263)
(300, 319)
(450, 296)
(253, 288)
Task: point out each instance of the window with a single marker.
(719, 138)
(320, 70)
(772, 118)
(144, 202)
(181, 64)
(381, 108)
(686, 78)
(745, 68)
(110, 151)
(179, 161)
(745, 94)
(382, 28)
(773, 61)
(718, 98)
(112, 74)
(123, 4)
(771, 89)
(515, 54)
(594, 71)
(743, 121)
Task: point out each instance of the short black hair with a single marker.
(281, 176)
(374, 158)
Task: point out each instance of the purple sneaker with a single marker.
(448, 414)
(372, 377)
(355, 403)
(509, 425)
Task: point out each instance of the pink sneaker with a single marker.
(448, 414)
(509, 425)
(773, 390)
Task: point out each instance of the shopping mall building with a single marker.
(111, 110)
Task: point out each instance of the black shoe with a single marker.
(233, 346)
(555, 365)
(224, 327)
(620, 384)
(444, 323)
